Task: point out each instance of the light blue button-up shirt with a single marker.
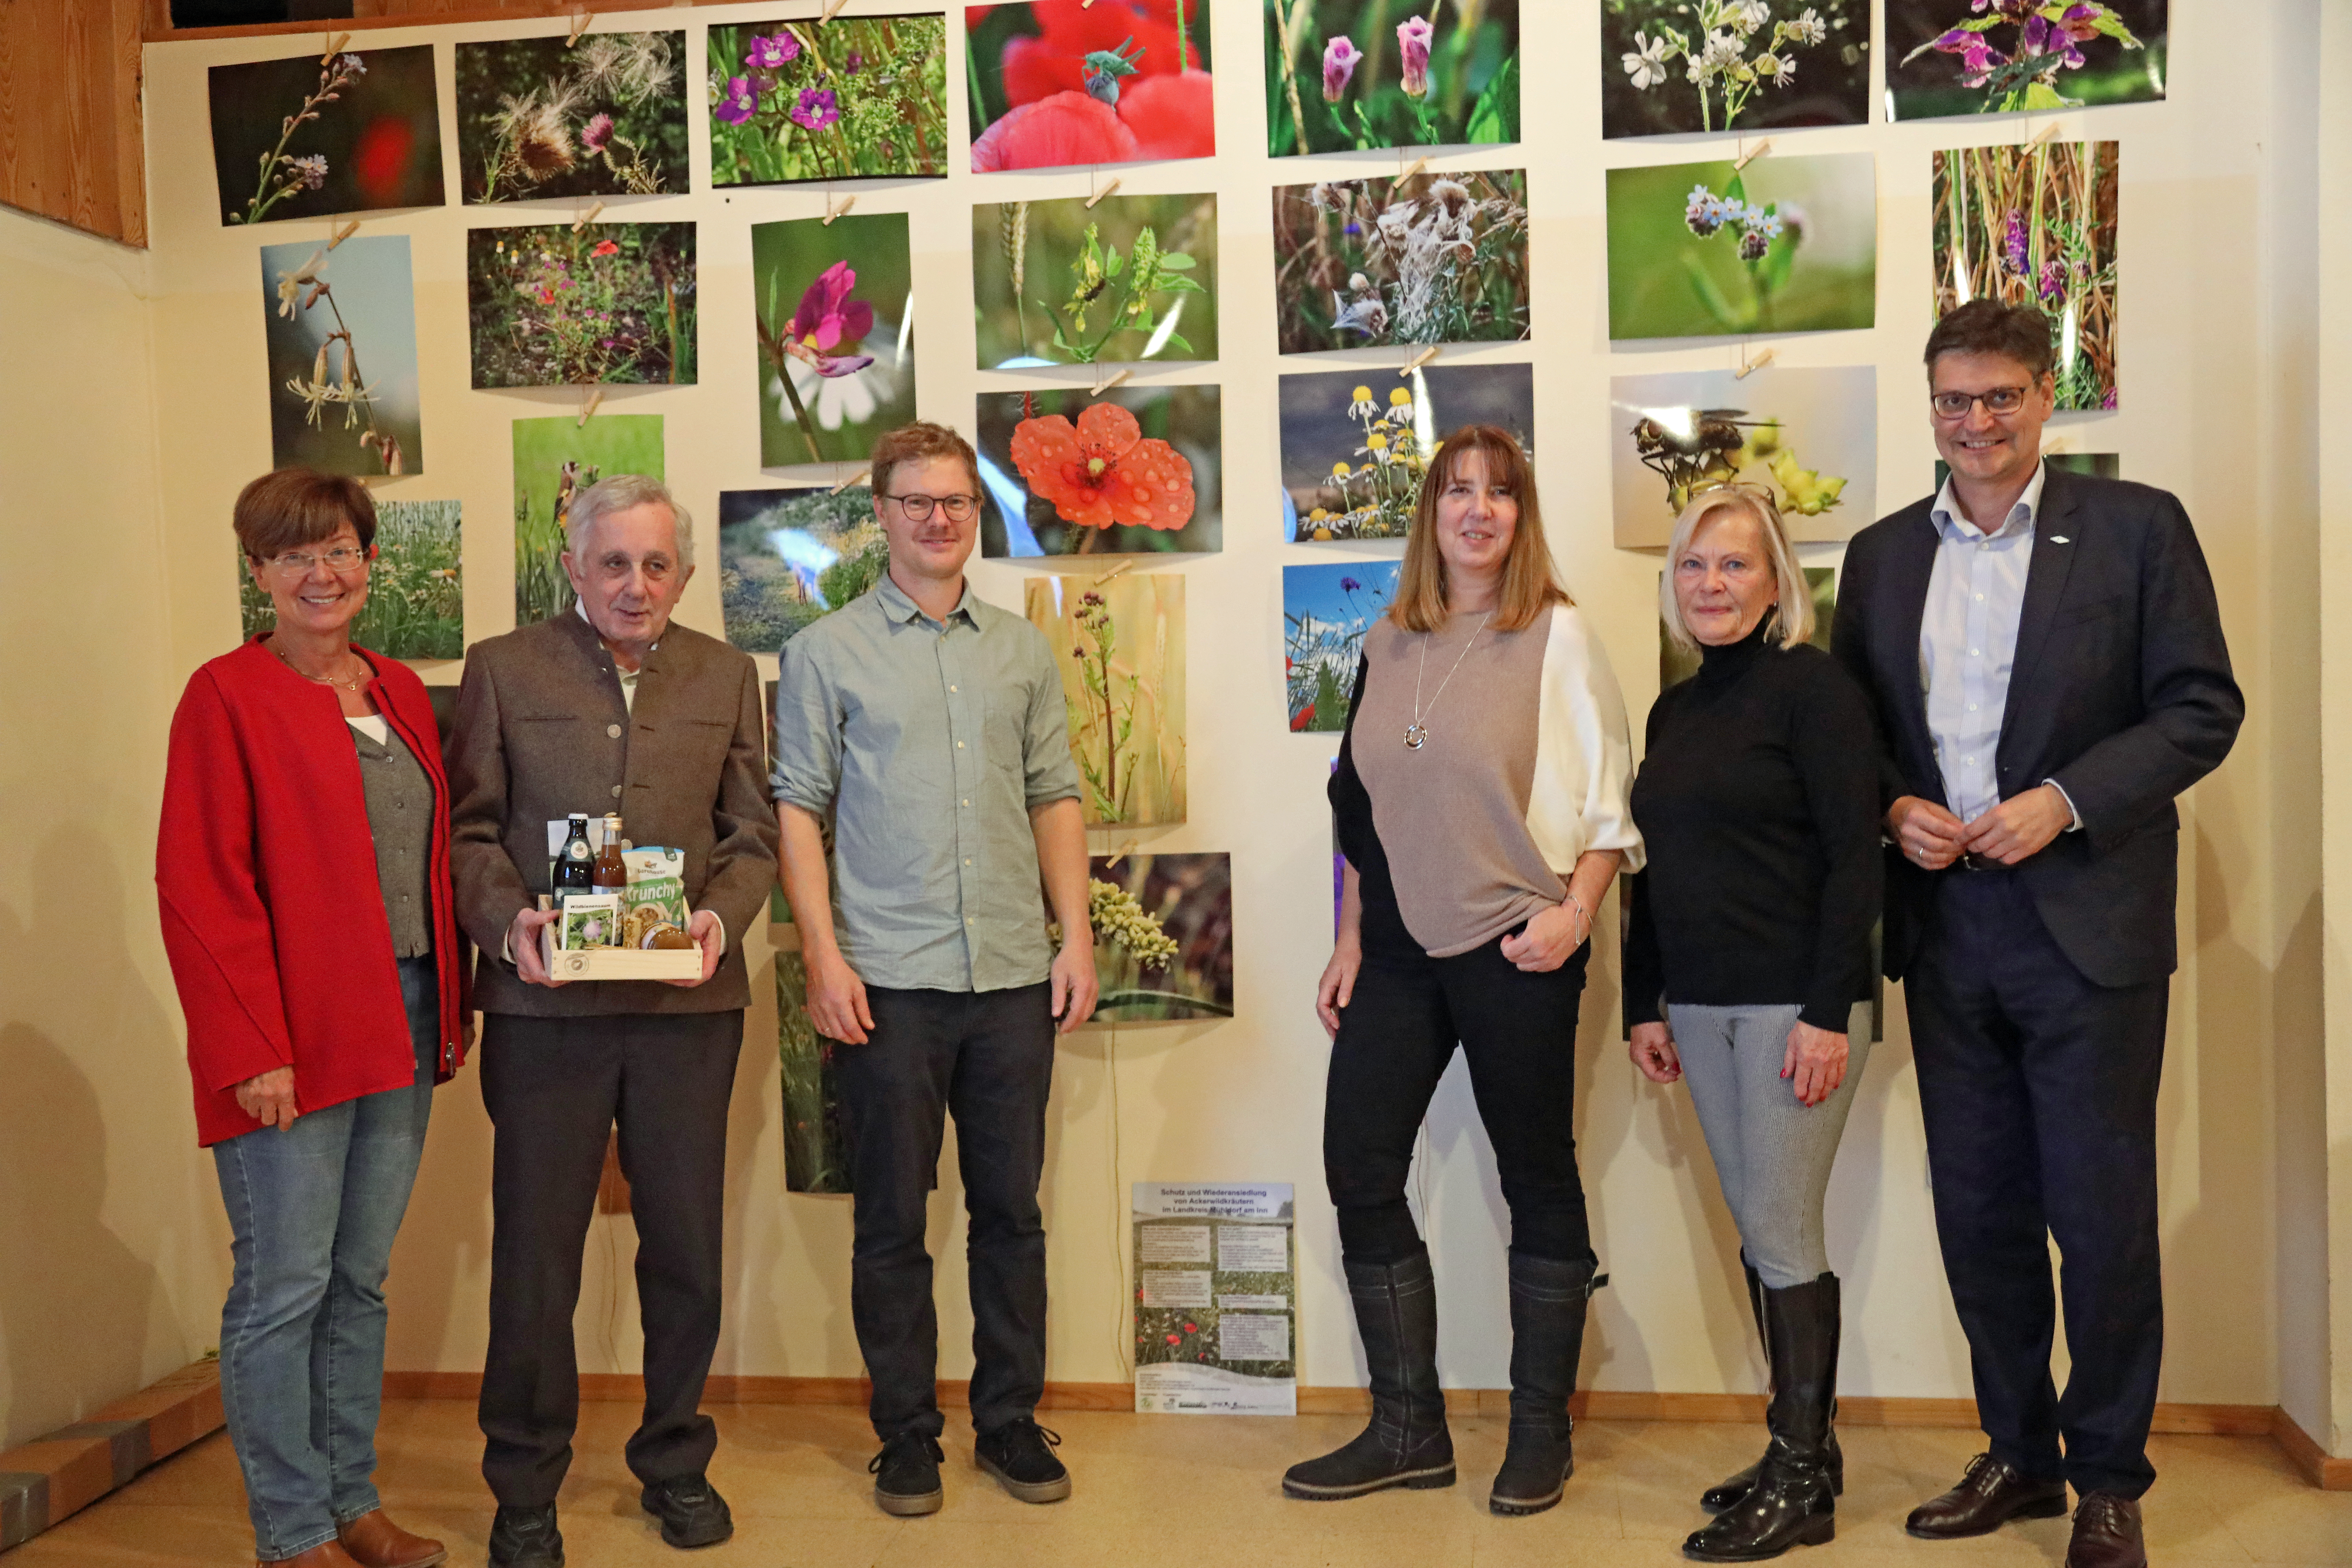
(1967, 641)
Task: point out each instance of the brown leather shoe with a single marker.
(374, 1541)
(1989, 1496)
(326, 1554)
(2106, 1533)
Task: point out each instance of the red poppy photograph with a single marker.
(1135, 471)
(1058, 84)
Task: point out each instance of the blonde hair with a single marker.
(1528, 587)
(1796, 599)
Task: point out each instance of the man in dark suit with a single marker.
(2045, 655)
(608, 708)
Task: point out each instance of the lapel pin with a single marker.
(2060, 539)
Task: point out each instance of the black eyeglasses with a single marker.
(917, 507)
(1999, 400)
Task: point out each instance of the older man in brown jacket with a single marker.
(608, 708)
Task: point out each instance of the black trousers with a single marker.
(1396, 1036)
(987, 1056)
(554, 1088)
(2038, 1088)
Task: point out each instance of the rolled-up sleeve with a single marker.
(1051, 772)
(808, 719)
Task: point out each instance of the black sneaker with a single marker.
(691, 1511)
(1021, 1455)
(526, 1538)
(906, 1474)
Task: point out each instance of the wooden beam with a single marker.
(71, 146)
(371, 14)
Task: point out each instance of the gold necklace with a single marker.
(352, 685)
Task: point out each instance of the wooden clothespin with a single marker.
(580, 20)
(2055, 443)
(830, 6)
(2038, 137)
(1747, 157)
(1101, 194)
(588, 408)
(832, 211)
(1417, 165)
(335, 42)
(1105, 382)
(1748, 366)
(1125, 851)
(584, 219)
(1119, 570)
(344, 234)
(1417, 361)
(859, 478)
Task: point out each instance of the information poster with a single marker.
(1216, 1299)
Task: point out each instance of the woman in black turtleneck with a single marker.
(1747, 967)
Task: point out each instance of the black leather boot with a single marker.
(1407, 1444)
(1547, 1310)
(1791, 1503)
(1725, 1492)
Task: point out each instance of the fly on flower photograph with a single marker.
(1056, 84)
(860, 97)
(1946, 57)
(1353, 75)
(554, 460)
(788, 557)
(1680, 66)
(1130, 279)
(1119, 644)
(1806, 437)
(303, 137)
(834, 309)
(415, 606)
(1327, 608)
(1163, 936)
(1135, 471)
(1354, 446)
(1786, 245)
(1432, 258)
(611, 304)
(605, 117)
(2036, 225)
(343, 356)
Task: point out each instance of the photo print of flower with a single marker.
(1355, 446)
(1676, 664)
(1809, 436)
(555, 460)
(1326, 611)
(1671, 66)
(342, 357)
(1352, 75)
(610, 305)
(1132, 279)
(860, 97)
(817, 1138)
(1056, 84)
(1138, 471)
(605, 117)
(1436, 258)
(1996, 57)
(1163, 936)
(1788, 245)
(2036, 225)
(835, 308)
(415, 606)
(787, 557)
(1119, 644)
(301, 138)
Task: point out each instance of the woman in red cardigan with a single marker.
(303, 872)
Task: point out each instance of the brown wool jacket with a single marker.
(541, 732)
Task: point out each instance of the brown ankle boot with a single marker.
(326, 1554)
(374, 1541)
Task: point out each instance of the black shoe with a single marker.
(906, 1474)
(1791, 1503)
(526, 1538)
(1019, 1453)
(1407, 1444)
(1547, 1302)
(1730, 1490)
(691, 1511)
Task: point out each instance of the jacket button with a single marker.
(617, 792)
(612, 731)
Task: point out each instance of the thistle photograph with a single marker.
(835, 308)
(1354, 448)
(415, 606)
(1435, 258)
(1163, 936)
(1951, 58)
(817, 1138)
(1059, 84)
(1326, 611)
(1346, 76)
(1119, 644)
(1129, 280)
(859, 97)
(1135, 471)
(787, 557)
(1703, 250)
(1679, 66)
(341, 328)
(1808, 436)
(2036, 225)
(357, 131)
(605, 117)
(612, 304)
(555, 460)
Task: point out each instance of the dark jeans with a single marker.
(1396, 1036)
(987, 1056)
(554, 1088)
(2038, 1088)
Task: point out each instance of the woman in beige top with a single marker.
(1481, 798)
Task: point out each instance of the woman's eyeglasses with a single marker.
(341, 558)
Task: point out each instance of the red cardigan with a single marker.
(266, 872)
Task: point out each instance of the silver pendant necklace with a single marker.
(1416, 734)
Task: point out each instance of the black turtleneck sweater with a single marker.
(1758, 799)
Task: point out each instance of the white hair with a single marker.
(621, 493)
(1796, 600)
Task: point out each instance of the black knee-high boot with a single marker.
(1407, 1444)
(1547, 1310)
(1791, 1503)
(1725, 1492)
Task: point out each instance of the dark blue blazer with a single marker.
(2120, 690)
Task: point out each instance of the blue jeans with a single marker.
(313, 1208)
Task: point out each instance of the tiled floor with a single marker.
(1201, 1492)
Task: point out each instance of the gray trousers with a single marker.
(1772, 1151)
